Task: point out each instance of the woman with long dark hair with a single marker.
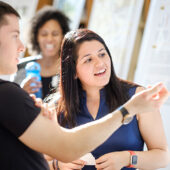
(89, 90)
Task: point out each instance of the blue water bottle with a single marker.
(33, 70)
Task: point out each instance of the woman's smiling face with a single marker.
(93, 67)
(49, 38)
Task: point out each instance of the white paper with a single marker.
(123, 18)
(154, 58)
(89, 159)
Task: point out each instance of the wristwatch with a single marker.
(133, 159)
(127, 118)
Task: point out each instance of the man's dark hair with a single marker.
(6, 9)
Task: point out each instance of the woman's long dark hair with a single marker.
(70, 87)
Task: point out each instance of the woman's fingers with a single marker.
(31, 85)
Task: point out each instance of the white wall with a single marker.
(154, 58)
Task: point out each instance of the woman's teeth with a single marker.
(100, 72)
(49, 46)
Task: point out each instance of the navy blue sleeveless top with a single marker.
(127, 137)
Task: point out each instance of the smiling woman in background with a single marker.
(46, 32)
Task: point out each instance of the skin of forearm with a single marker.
(48, 158)
(79, 144)
(66, 145)
(152, 159)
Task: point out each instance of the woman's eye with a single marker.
(102, 54)
(43, 34)
(88, 60)
(55, 33)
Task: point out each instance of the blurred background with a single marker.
(137, 33)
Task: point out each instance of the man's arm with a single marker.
(66, 145)
(48, 137)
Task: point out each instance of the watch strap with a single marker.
(132, 153)
(123, 110)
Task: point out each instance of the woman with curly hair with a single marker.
(47, 29)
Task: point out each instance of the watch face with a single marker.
(134, 160)
(127, 119)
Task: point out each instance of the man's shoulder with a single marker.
(8, 84)
(11, 89)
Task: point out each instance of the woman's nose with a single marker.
(49, 37)
(99, 62)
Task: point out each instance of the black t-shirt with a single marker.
(17, 112)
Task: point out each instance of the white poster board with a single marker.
(154, 58)
(116, 21)
(73, 9)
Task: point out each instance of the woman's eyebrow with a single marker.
(84, 56)
(90, 54)
(101, 50)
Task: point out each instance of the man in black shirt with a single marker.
(25, 132)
